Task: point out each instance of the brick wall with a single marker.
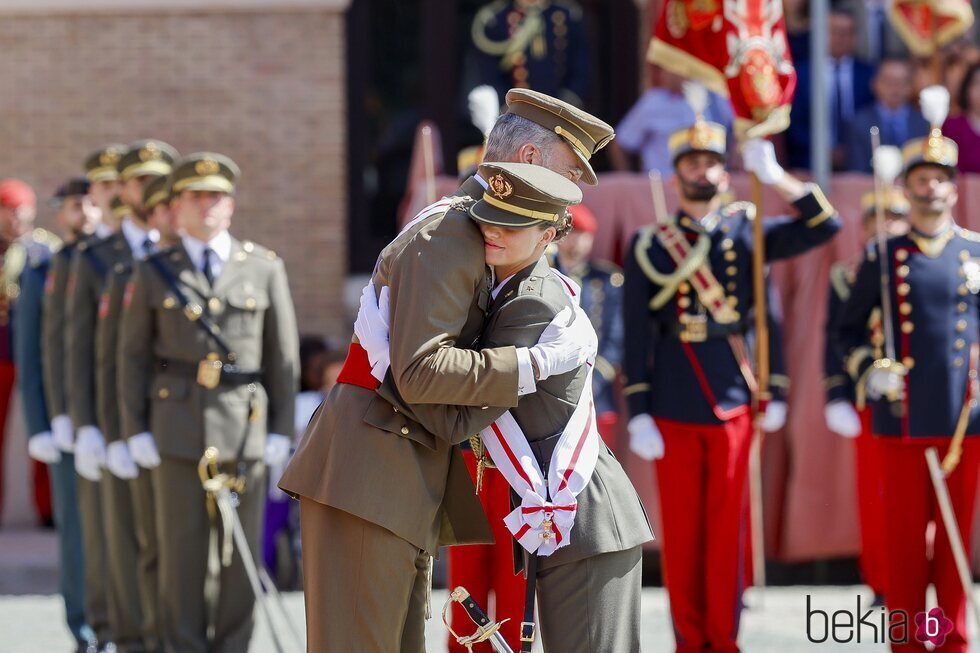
(264, 86)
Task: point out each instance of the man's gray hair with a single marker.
(511, 131)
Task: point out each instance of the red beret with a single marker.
(583, 219)
(15, 193)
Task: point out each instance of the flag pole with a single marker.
(761, 396)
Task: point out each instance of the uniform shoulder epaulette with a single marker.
(254, 249)
(734, 208)
(972, 236)
(163, 253)
(841, 279)
(531, 286)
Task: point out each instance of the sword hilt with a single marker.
(486, 628)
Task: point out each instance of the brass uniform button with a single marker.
(907, 327)
(169, 302)
(404, 430)
(961, 325)
(214, 304)
(684, 287)
(684, 302)
(902, 271)
(730, 256)
(727, 243)
(732, 301)
(908, 362)
(961, 307)
(731, 286)
(903, 289)
(164, 393)
(962, 290)
(731, 270)
(964, 255)
(957, 362)
(905, 309)
(250, 303)
(901, 255)
(960, 343)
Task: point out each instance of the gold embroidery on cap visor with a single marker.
(533, 217)
(157, 197)
(102, 173)
(152, 167)
(210, 182)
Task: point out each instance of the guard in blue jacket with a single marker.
(687, 304)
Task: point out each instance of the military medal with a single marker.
(209, 371)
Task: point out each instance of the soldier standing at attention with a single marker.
(927, 393)
(687, 298)
(210, 357)
(90, 271)
(77, 217)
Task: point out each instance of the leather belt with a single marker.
(231, 375)
(705, 331)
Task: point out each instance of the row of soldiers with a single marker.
(148, 337)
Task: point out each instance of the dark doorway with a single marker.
(414, 60)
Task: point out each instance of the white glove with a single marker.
(645, 439)
(759, 156)
(42, 448)
(371, 328)
(484, 105)
(144, 450)
(63, 433)
(842, 419)
(120, 461)
(90, 453)
(277, 448)
(565, 345)
(774, 417)
(885, 383)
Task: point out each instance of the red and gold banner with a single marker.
(927, 25)
(736, 48)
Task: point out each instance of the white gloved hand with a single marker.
(645, 438)
(63, 433)
(885, 383)
(842, 419)
(90, 453)
(371, 328)
(484, 105)
(774, 417)
(277, 449)
(120, 461)
(759, 156)
(563, 345)
(144, 450)
(42, 448)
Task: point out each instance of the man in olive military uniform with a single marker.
(208, 358)
(100, 170)
(91, 269)
(365, 438)
(687, 302)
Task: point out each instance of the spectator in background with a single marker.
(957, 59)
(797, 15)
(896, 118)
(660, 112)
(876, 37)
(848, 91)
(964, 129)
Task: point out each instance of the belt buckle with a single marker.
(209, 371)
(695, 328)
(527, 631)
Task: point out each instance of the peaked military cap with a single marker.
(702, 136)
(101, 164)
(71, 188)
(585, 133)
(934, 149)
(155, 192)
(522, 195)
(148, 157)
(205, 171)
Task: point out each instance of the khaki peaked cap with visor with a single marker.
(155, 192)
(523, 195)
(702, 136)
(101, 164)
(585, 133)
(206, 171)
(146, 158)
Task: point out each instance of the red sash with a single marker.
(357, 369)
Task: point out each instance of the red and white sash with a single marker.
(543, 522)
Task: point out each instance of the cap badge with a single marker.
(500, 187)
(149, 152)
(206, 167)
(110, 157)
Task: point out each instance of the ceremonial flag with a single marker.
(738, 49)
(927, 25)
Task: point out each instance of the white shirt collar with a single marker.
(102, 230)
(483, 182)
(136, 236)
(500, 286)
(220, 245)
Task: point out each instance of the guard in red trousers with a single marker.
(488, 569)
(840, 412)
(923, 394)
(18, 241)
(687, 306)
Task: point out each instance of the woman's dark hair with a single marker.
(963, 97)
(562, 228)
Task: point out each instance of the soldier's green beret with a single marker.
(155, 192)
(585, 133)
(205, 171)
(522, 195)
(148, 157)
(101, 164)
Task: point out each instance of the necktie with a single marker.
(208, 270)
(147, 246)
(838, 117)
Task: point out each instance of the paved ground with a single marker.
(31, 615)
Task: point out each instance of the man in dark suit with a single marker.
(848, 91)
(896, 118)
